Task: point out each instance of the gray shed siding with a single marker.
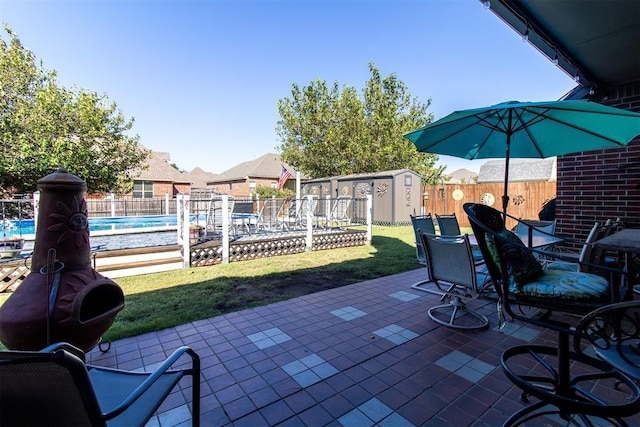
(396, 194)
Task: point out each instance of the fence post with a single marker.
(309, 238)
(369, 218)
(225, 229)
(166, 203)
(112, 198)
(182, 219)
(36, 210)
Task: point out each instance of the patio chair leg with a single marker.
(457, 309)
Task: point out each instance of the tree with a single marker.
(44, 126)
(326, 131)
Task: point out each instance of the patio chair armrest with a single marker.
(67, 347)
(147, 383)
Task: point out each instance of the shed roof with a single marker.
(519, 170)
(381, 174)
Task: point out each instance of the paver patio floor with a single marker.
(359, 355)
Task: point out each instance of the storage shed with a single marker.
(396, 193)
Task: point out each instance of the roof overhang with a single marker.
(595, 42)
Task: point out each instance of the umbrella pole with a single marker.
(505, 196)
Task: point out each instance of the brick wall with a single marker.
(597, 185)
(162, 188)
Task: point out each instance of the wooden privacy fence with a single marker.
(527, 198)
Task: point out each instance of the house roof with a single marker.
(200, 177)
(519, 170)
(597, 40)
(459, 176)
(159, 169)
(267, 166)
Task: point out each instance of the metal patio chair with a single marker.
(305, 212)
(561, 380)
(213, 224)
(54, 387)
(453, 270)
(612, 333)
(340, 212)
(271, 217)
(423, 224)
(448, 225)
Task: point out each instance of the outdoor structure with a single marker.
(532, 183)
(165, 245)
(597, 45)
(243, 179)
(528, 198)
(64, 299)
(396, 193)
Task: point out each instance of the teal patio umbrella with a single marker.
(527, 130)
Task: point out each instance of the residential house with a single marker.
(199, 178)
(243, 179)
(160, 178)
(520, 170)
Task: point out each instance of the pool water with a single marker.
(26, 226)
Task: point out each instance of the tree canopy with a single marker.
(44, 126)
(328, 131)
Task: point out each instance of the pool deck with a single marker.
(359, 355)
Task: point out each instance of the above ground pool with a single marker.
(16, 228)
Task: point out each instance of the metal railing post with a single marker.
(182, 218)
(309, 238)
(225, 229)
(369, 218)
(36, 210)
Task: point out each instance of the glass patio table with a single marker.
(531, 238)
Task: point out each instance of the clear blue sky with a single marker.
(202, 78)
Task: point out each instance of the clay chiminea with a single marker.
(63, 299)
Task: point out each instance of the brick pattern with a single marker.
(173, 188)
(598, 185)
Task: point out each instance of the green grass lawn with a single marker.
(161, 300)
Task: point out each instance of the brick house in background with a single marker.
(603, 55)
(243, 179)
(160, 178)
